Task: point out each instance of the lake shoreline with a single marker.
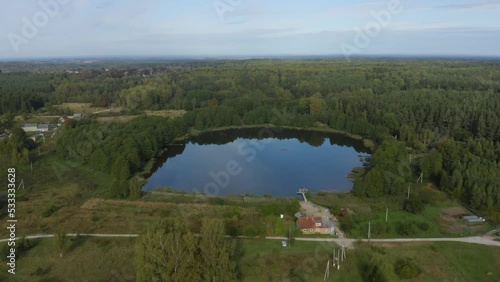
(303, 135)
(148, 166)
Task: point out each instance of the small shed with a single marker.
(473, 219)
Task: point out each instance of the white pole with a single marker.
(342, 254)
(289, 236)
(369, 231)
(386, 214)
(327, 270)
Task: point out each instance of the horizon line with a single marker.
(240, 57)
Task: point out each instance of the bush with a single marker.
(347, 223)
(380, 229)
(414, 205)
(424, 226)
(407, 228)
(407, 268)
(216, 201)
(232, 229)
(24, 244)
(250, 231)
(4, 250)
(51, 209)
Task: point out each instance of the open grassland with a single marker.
(116, 118)
(166, 113)
(84, 259)
(106, 259)
(37, 119)
(87, 108)
(172, 114)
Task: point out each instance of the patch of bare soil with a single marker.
(450, 220)
(455, 211)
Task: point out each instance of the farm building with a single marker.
(30, 127)
(313, 225)
(43, 127)
(62, 119)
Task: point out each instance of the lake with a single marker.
(259, 161)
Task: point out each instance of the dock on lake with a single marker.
(303, 191)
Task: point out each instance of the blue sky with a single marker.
(248, 27)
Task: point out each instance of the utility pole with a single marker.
(327, 271)
(369, 231)
(421, 178)
(338, 261)
(289, 236)
(21, 184)
(386, 214)
(408, 197)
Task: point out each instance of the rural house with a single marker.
(314, 225)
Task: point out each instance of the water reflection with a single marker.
(257, 163)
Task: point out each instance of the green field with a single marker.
(102, 259)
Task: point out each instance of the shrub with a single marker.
(424, 226)
(407, 228)
(414, 205)
(250, 231)
(51, 209)
(407, 268)
(216, 201)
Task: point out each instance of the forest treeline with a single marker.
(120, 149)
(447, 111)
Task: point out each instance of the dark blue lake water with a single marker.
(259, 161)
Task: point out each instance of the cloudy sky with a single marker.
(248, 27)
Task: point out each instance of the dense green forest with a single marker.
(445, 113)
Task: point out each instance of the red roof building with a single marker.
(312, 225)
